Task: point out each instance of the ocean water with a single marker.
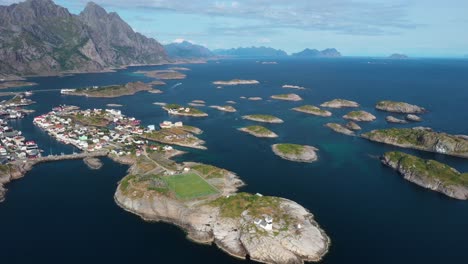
(65, 213)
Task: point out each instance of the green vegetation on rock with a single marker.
(189, 186)
(290, 149)
(234, 205)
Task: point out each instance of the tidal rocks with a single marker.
(392, 119)
(288, 86)
(236, 82)
(259, 131)
(413, 118)
(339, 103)
(422, 139)
(360, 116)
(294, 152)
(399, 107)
(429, 174)
(287, 97)
(226, 108)
(340, 129)
(264, 118)
(353, 126)
(313, 110)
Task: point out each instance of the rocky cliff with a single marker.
(38, 37)
(429, 174)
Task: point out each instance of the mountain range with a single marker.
(187, 50)
(314, 53)
(38, 37)
(251, 52)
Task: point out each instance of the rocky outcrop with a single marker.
(313, 110)
(352, 126)
(339, 103)
(429, 174)
(93, 163)
(294, 152)
(264, 118)
(399, 107)
(422, 139)
(259, 131)
(360, 116)
(413, 118)
(287, 97)
(38, 37)
(340, 129)
(392, 119)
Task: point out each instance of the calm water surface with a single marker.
(65, 213)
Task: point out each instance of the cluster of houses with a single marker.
(13, 145)
(169, 124)
(178, 110)
(120, 135)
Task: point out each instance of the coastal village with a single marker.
(14, 147)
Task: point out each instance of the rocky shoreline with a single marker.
(429, 174)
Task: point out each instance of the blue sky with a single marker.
(355, 27)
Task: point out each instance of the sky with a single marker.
(419, 28)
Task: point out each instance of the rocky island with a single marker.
(264, 118)
(360, 116)
(287, 97)
(259, 131)
(353, 126)
(163, 74)
(110, 91)
(413, 118)
(288, 86)
(399, 107)
(340, 129)
(226, 108)
(13, 84)
(313, 110)
(392, 119)
(203, 201)
(339, 103)
(429, 174)
(254, 98)
(180, 136)
(236, 82)
(175, 109)
(295, 152)
(421, 138)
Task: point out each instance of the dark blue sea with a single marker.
(65, 213)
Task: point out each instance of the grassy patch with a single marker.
(290, 149)
(209, 172)
(189, 186)
(234, 205)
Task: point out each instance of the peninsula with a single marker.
(236, 82)
(421, 138)
(294, 152)
(110, 91)
(259, 131)
(340, 129)
(313, 110)
(287, 97)
(360, 116)
(175, 109)
(429, 174)
(399, 107)
(339, 103)
(264, 118)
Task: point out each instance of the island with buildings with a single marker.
(110, 91)
(313, 110)
(295, 152)
(259, 131)
(421, 138)
(339, 103)
(429, 174)
(287, 97)
(175, 109)
(263, 118)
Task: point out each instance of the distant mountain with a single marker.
(314, 53)
(40, 37)
(398, 56)
(251, 52)
(187, 50)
